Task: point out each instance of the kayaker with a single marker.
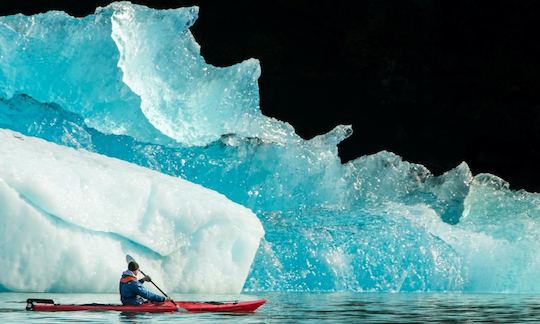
(132, 291)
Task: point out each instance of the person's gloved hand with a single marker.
(147, 278)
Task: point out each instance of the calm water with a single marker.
(302, 307)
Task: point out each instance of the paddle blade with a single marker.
(129, 258)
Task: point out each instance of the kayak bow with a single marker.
(48, 305)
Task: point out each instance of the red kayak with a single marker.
(48, 305)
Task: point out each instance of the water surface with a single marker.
(301, 308)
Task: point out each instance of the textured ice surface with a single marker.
(69, 213)
(376, 223)
(132, 70)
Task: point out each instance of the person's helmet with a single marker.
(132, 266)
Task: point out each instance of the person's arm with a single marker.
(143, 292)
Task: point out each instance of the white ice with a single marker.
(68, 218)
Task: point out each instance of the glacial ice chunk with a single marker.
(134, 87)
(73, 212)
(131, 70)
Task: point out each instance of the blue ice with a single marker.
(129, 82)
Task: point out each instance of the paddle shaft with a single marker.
(144, 274)
(129, 259)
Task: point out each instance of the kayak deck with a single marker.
(48, 305)
(235, 306)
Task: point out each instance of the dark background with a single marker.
(437, 82)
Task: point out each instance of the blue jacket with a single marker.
(132, 291)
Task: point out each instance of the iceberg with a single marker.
(134, 87)
(114, 67)
(68, 213)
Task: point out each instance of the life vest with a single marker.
(127, 279)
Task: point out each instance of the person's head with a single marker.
(133, 267)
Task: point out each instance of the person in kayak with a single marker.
(132, 291)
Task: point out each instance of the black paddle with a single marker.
(180, 309)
